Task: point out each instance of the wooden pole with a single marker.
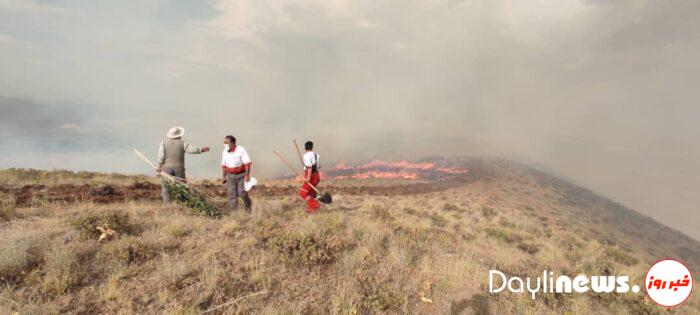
(293, 170)
(301, 160)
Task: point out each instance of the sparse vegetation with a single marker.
(363, 254)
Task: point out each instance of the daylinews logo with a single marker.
(548, 283)
(668, 282)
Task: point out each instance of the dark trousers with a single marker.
(235, 187)
(176, 172)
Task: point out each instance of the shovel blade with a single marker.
(326, 198)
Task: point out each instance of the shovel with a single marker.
(325, 197)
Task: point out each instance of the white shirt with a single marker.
(237, 158)
(310, 158)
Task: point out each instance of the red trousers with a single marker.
(309, 194)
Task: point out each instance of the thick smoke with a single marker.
(599, 92)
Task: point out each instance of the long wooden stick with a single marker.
(301, 159)
(293, 170)
(170, 177)
(143, 157)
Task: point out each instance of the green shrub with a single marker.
(503, 235)
(191, 198)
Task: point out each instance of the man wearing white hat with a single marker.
(171, 155)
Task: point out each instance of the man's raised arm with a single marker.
(193, 149)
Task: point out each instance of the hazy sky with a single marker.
(604, 93)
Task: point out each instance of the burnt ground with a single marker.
(29, 195)
(144, 191)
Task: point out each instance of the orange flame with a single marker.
(453, 170)
(399, 164)
(395, 170)
(380, 174)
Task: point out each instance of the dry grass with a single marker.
(20, 177)
(8, 208)
(361, 255)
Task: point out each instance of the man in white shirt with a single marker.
(235, 166)
(311, 176)
(171, 156)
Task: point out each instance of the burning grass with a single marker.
(405, 170)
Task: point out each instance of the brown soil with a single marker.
(31, 194)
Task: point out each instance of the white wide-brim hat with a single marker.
(175, 132)
(250, 183)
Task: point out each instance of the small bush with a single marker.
(382, 213)
(410, 211)
(229, 228)
(113, 219)
(127, 250)
(415, 242)
(60, 271)
(263, 230)
(174, 274)
(621, 257)
(503, 235)
(488, 212)
(19, 255)
(379, 290)
(308, 249)
(529, 248)
(111, 289)
(179, 229)
(438, 220)
(8, 209)
(450, 207)
(505, 223)
(571, 243)
(320, 246)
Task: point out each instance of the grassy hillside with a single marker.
(372, 251)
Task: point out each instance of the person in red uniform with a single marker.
(311, 177)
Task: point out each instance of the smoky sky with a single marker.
(602, 93)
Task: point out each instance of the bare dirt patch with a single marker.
(144, 191)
